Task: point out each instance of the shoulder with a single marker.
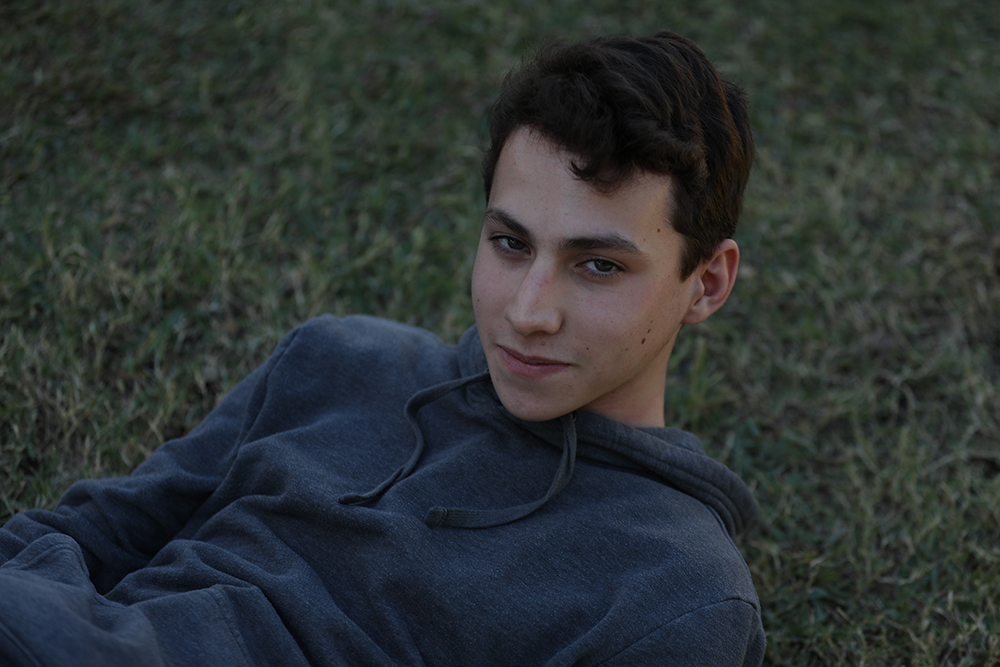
(361, 343)
(354, 358)
(679, 584)
(727, 633)
(362, 333)
(681, 592)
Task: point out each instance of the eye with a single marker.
(505, 243)
(602, 268)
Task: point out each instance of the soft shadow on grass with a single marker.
(182, 182)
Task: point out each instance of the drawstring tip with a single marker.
(436, 516)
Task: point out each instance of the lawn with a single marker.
(182, 182)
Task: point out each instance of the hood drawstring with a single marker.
(454, 517)
(462, 518)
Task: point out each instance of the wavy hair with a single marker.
(626, 105)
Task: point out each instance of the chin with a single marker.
(530, 410)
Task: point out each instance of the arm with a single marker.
(121, 523)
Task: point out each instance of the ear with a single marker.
(713, 281)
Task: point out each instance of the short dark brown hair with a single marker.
(626, 105)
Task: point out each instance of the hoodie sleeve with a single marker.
(121, 523)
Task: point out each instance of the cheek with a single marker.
(485, 285)
(478, 268)
(634, 323)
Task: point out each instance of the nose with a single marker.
(536, 306)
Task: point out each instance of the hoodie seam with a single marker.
(255, 403)
(755, 607)
(15, 643)
(225, 607)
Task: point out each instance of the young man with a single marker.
(543, 514)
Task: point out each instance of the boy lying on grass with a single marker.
(371, 496)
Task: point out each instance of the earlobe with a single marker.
(714, 281)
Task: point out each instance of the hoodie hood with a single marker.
(672, 456)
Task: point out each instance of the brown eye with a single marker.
(601, 268)
(505, 243)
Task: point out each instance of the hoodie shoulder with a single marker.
(370, 346)
(354, 361)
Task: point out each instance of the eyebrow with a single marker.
(611, 241)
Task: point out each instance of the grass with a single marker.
(182, 182)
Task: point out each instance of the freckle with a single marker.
(649, 331)
(657, 230)
(643, 341)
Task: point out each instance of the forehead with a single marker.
(534, 184)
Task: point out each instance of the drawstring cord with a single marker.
(455, 517)
(417, 401)
(462, 518)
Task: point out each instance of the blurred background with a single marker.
(181, 182)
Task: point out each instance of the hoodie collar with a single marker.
(674, 456)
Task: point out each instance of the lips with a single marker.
(528, 366)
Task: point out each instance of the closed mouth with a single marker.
(528, 365)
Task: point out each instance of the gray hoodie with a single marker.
(364, 499)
